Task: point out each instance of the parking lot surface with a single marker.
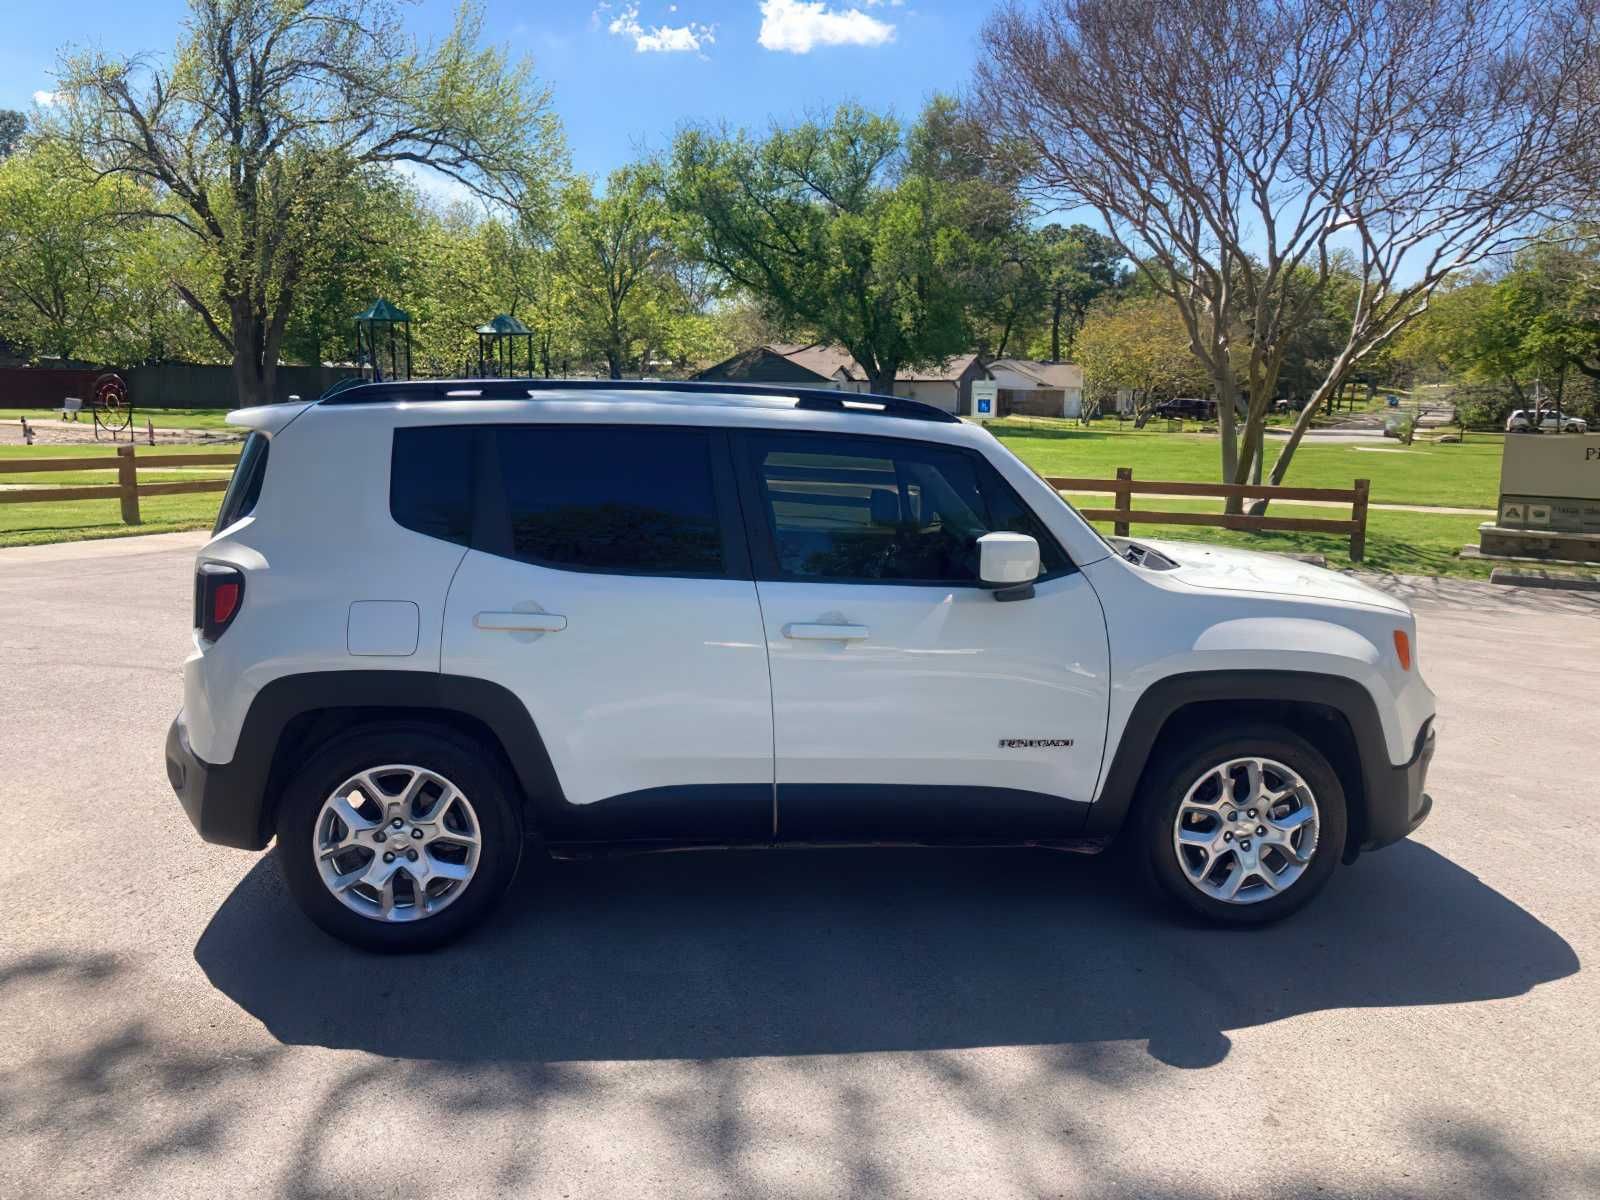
(823, 1024)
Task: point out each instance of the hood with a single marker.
(1227, 569)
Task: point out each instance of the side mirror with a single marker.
(1008, 563)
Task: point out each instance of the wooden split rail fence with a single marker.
(1123, 488)
(128, 487)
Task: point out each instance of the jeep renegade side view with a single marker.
(440, 622)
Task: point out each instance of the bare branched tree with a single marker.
(1244, 156)
(268, 113)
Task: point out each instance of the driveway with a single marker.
(909, 1024)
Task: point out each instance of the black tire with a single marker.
(1158, 813)
(458, 758)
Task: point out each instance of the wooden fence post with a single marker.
(1358, 514)
(128, 481)
(1124, 501)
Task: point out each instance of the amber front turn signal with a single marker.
(1402, 647)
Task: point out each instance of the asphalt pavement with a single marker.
(822, 1024)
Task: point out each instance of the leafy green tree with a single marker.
(1140, 344)
(1537, 321)
(614, 254)
(1079, 266)
(250, 138)
(844, 228)
(369, 250)
(62, 251)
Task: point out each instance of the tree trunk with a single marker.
(1227, 416)
(254, 378)
(1005, 334)
(1330, 386)
(1055, 328)
(881, 381)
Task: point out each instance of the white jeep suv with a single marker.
(438, 622)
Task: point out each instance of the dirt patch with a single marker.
(82, 433)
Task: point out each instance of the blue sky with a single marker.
(625, 73)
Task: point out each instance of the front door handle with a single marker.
(826, 633)
(520, 622)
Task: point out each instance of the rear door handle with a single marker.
(520, 622)
(826, 633)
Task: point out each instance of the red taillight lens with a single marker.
(218, 594)
(224, 599)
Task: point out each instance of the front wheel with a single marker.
(398, 838)
(1245, 827)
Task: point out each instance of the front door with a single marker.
(908, 703)
(608, 588)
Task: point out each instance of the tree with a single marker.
(250, 138)
(62, 253)
(841, 228)
(1538, 320)
(1232, 156)
(1138, 343)
(367, 249)
(1080, 266)
(614, 255)
(13, 125)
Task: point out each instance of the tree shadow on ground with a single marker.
(738, 954)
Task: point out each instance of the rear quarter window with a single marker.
(244, 489)
(430, 482)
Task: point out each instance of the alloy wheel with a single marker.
(1246, 830)
(397, 843)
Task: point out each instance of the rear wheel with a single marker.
(1245, 826)
(398, 838)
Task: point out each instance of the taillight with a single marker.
(218, 596)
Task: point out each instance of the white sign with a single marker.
(1557, 465)
(985, 400)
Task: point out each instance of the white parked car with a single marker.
(440, 622)
(1550, 421)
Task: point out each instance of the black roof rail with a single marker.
(815, 399)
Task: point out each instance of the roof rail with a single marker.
(816, 399)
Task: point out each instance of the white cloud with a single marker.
(45, 99)
(798, 25)
(658, 39)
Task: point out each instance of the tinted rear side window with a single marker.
(430, 482)
(611, 498)
(244, 489)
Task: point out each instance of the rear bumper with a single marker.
(1396, 802)
(220, 811)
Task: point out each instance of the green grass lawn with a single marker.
(79, 520)
(213, 419)
(71, 520)
(1451, 476)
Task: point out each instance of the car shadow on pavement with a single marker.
(734, 954)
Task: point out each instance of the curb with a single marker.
(1524, 577)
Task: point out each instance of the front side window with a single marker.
(875, 510)
(611, 499)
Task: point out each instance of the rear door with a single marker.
(909, 703)
(608, 586)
